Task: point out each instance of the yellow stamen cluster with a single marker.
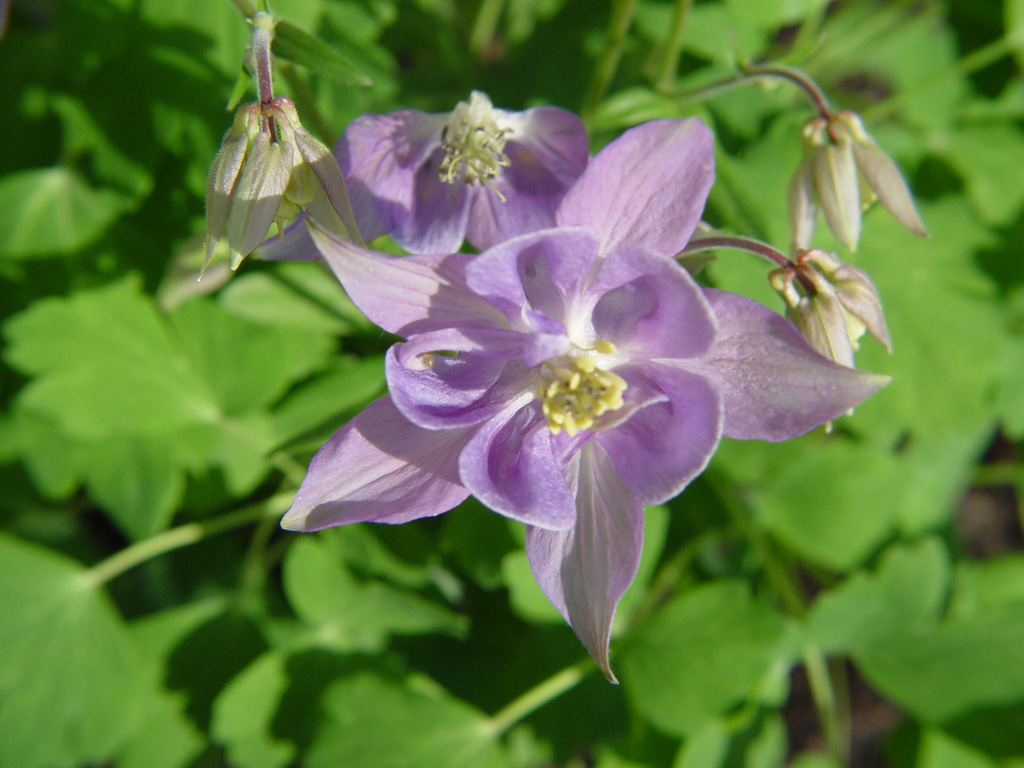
(576, 392)
(472, 140)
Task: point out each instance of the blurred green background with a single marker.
(855, 596)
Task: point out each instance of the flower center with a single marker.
(474, 144)
(575, 392)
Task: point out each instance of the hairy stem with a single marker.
(604, 71)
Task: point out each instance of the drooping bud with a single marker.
(855, 291)
(832, 304)
(882, 176)
(842, 173)
(225, 171)
(817, 313)
(268, 170)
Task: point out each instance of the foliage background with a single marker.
(864, 588)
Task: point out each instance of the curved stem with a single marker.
(539, 695)
(182, 536)
(795, 76)
(622, 17)
(752, 72)
(749, 244)
(739, 243)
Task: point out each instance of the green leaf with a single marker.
(247, 366)
(945, 321)
(907, 591)
(165, 737)
(983, 586)
(704, 652)
(105, 365)
(962, 665)
(374, 723)
(939, 750)
(347, 614)
(263, 298)
(244, 711)
(69, 675)
(346, 386)
(987, 156)
(53, 212)
(137, 481)
(291, 42)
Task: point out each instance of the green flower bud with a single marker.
(268, 170)
(832, 304)
(817, 313)
(842, 173)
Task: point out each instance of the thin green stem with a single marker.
(674, 46)
(182, 536)
(485, 25)
(824, 680)
(820, 679)
(538, 696)
(604, 71)
(974, 61)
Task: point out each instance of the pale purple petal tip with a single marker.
(379, 468)
(774, 386)
(647, 187)
(585, 570)
(406, 295)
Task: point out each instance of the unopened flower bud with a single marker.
(817, 313)
(832, 304)
(856, 293)
(268, 170)
(224, 173)
(842, 173)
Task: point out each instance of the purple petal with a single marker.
(381, 468)
(456, 391)
(773, 384)
(585, 570)
(649, 306)
(648, 187)
(438, 216)
(545, 271)
(390, 164)
(294, 244)
(509, 464)
(533, 348)
(547, 151)
(406, 295)
(663, 446)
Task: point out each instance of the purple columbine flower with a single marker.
(566, 377)
(432, 180)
